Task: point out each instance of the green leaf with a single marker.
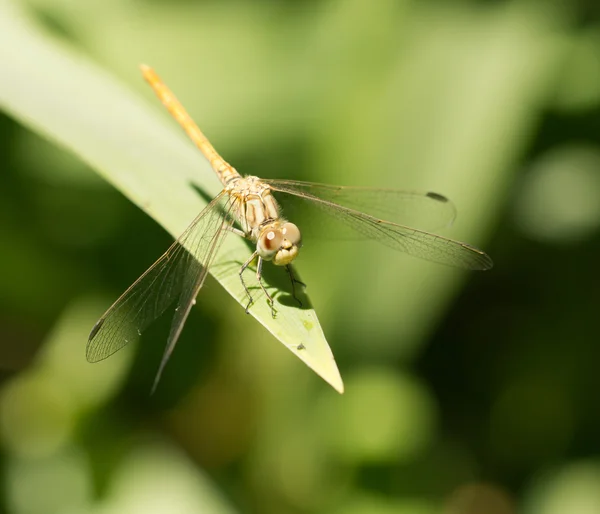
(62, 95)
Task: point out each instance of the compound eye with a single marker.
(292, 233)
(269, 243)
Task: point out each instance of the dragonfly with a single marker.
(247, 207)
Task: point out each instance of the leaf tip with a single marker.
(338, 385)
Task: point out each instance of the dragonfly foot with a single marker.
(273, 311)
(294, 281)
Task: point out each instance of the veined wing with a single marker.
(425, 210)
(400, 237)
(176, 277)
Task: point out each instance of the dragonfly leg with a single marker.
(294, 281)
(242, 269)
(259, 278)
(238, 232)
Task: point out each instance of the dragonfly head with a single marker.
(279, 242)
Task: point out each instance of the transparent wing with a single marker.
(425, 210)
(400, 237)
(174, 278)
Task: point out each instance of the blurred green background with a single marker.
(465, 392)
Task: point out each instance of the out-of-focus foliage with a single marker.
(465, 392)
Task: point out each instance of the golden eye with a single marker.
(291, 233)
(269, 242)
(273, 240)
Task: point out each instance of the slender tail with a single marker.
(222, 168)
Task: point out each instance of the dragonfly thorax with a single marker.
(279, 241)
(254, 205)
(258, 214)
